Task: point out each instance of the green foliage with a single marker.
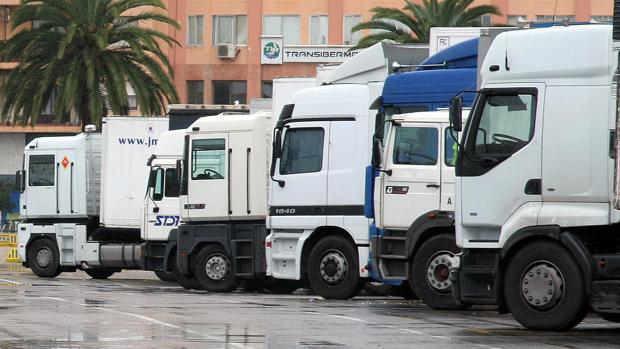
(413, 23)
(82, 54)
(6, 187)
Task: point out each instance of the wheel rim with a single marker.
(542, 285)
(217, 267)
(44, 257)
(438, 271)
(333, 267)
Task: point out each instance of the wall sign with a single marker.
(271, 49)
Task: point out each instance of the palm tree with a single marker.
(82, 54)
(412, 24)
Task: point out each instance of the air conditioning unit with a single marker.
(226, 51)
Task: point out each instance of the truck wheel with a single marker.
(99, 273)
(543, 288)
(333, 269)
(214, 270)
(611, 317)
(166, 276)
(430, 272)
(187, 282)
(44, 258)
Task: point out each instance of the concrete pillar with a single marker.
(582, 10)
(335, 11)
(178, 11)
(255, 28)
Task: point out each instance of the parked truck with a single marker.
(223, 195)
(322, 143)
(537, 214)
(81, 198)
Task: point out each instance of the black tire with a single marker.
(166, 276)
(375, 288)
(611, 317)
(430, 272)
(214, 269)
(186, 281)
(337, 258)
(554, 271)
(44, 258)
(100, 273)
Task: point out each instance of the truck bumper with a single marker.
(476, 277)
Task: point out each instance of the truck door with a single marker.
(208, 179)
(303, 168)
(501, 168)
(448, 159)
(41, 181)
(413, 186)
(162, 206)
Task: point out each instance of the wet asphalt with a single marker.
(136, 310)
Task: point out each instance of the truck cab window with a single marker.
(506, 124)
(172, 183)
(415, 146)
(41, 170)
(208, 159)
(158, 190)
(302, 151)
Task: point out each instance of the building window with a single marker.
(486, 21)
(230, 30)
(556, 18)
(602, 19)
(132, 101)
(195, 91)
(195, 30)
(287, 26)
(351, 38)
(267, 89)
(318, 30)
(514, 20)
(229, 92)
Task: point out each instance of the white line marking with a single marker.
(12, 282)
(155, 321)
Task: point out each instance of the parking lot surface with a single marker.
(136, 310)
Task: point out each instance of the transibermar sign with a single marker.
(317, 54)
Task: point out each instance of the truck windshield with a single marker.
(504, 125)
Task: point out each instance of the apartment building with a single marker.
(232, 49)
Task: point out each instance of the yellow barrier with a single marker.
(8, 240)
(13, 257)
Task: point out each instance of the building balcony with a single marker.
(9, 2)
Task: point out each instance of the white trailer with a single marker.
(81, 198)
(535, 213)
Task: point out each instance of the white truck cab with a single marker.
(414, 205)
(535, 179)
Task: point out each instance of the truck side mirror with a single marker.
(379, 125)
(20, 180)
(152, 178)
(376, 153)
(456, 113)
(276, 150)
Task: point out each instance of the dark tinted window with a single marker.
(41, 171)
(172, 183)
(302, 151)
(416, 146)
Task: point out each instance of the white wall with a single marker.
(11, 151)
